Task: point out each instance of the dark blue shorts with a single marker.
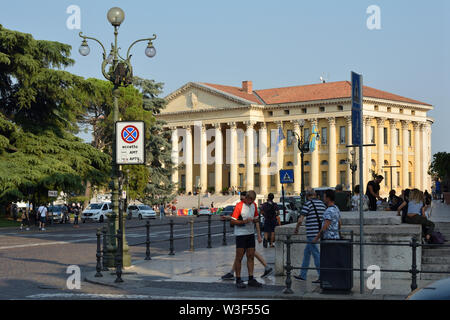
(43, 219)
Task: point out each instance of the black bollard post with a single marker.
(224, 240)
(104, 267)
(119, 257)
(99, 255)
(414, 271)
(288, 289)
(209, 232)
(147, 243)
(171, 253)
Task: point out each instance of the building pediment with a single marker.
(196, 96)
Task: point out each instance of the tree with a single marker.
(440, 167)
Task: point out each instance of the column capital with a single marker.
(263, 125)
(393, 123)
(250, 124)
(297, 122)
(416, 125)
(331, 121)
(279, 123)
(313, 121)
(172, 128)
(405, 124)
(367, 120)
(381, 121)
(233, 125)
(217, 125)
(188, 128)
(348, 119)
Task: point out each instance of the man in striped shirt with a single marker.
(312, 213)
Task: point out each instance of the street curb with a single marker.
(101, 283)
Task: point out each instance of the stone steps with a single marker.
(435, 260)
(433, 276)
(436, 252)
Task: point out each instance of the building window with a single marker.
(241, 180)
(388, 109)
(340, 108)
(343, 162)
(306, 163)
(409, 138)
(289, 164)
(324, 136)
(272, 180)
(372, 134)
(401, 110)
(375, 108)
(256, 179)
(398, 178)
(306, 175)
(324, 163)
(324, 178)
(385, 134)
(342, 176)
(342, 135)
(322, 109)
(304, 110)
(398, 136)
(413, 113)
(270, 113)
(183, 182)
(286, 112)
(290, 138)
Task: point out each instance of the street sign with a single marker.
(130, 147)
(52, 193)
(357, 105)
(286, 176)
(124, 194)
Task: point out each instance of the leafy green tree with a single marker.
(440, 167)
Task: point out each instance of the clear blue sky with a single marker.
(272, 43)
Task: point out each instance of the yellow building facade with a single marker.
(226, 137)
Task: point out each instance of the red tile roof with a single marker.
(312, 92)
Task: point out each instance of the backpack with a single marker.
(437, 238)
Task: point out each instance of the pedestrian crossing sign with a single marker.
(286, 176)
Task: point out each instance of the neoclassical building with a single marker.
(225, 137)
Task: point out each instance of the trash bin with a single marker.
(336, 254)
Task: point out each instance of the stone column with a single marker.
(417, 164)
(203, 159)
(175, 156)
(332, 156)
(314, 174)
(368, 122)
(188, 159)
(297, 159)
(425, 157)
(250, 149)
(218, 149)
(380, 144)
(233, 155)
(280, 158)
(405, 162)
(393, 127)
(263, 159)
(349, 150)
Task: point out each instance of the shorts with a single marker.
(245, 242)
(43, 219)
(269, 226)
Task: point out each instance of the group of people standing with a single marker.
(41, 216)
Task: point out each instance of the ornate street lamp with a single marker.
(120, 73)
(353, 168)
(303, 147)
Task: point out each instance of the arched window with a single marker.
(324, 163)
(343, 161)
(289, 164)
(306, 163)
(241, 165)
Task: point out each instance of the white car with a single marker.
(96, 212)
(141, 211)
(204, 211)
(291, 213)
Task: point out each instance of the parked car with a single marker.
(294, 200)
(204, 211)
(58, 212)
(96, 212)
(291, 212)
(438, 290)
(141, 211)
(227, 211)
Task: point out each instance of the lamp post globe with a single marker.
(150, 51)
(84, 49)
(115, 16)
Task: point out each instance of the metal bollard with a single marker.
(171, 253)
(191, 222)
(288, 289)
(99, 256)
(209, 232)
(224, 240)
(119, 257)
(147, 243)
(104, 267)
(414, 271)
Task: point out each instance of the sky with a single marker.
(272, 43)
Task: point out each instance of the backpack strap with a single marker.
(317, 215)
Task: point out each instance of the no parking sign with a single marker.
(130, 142)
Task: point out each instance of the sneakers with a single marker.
(43, 229)
(253, 283)
(267, 271)
(28, 229)
(299, 278)
(240, 284)
(228, 276)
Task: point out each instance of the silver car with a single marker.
(141, 211)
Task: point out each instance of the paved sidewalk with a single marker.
(196, 275)
(440, 212)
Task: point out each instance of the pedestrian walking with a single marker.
(331, 217)
(244, 218)
(270, 212)
(312, 214)
(76, 213)
(25, 219)
(43, 213)
(161, 211)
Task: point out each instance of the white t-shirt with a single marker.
(243, 212)
(43, 211)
